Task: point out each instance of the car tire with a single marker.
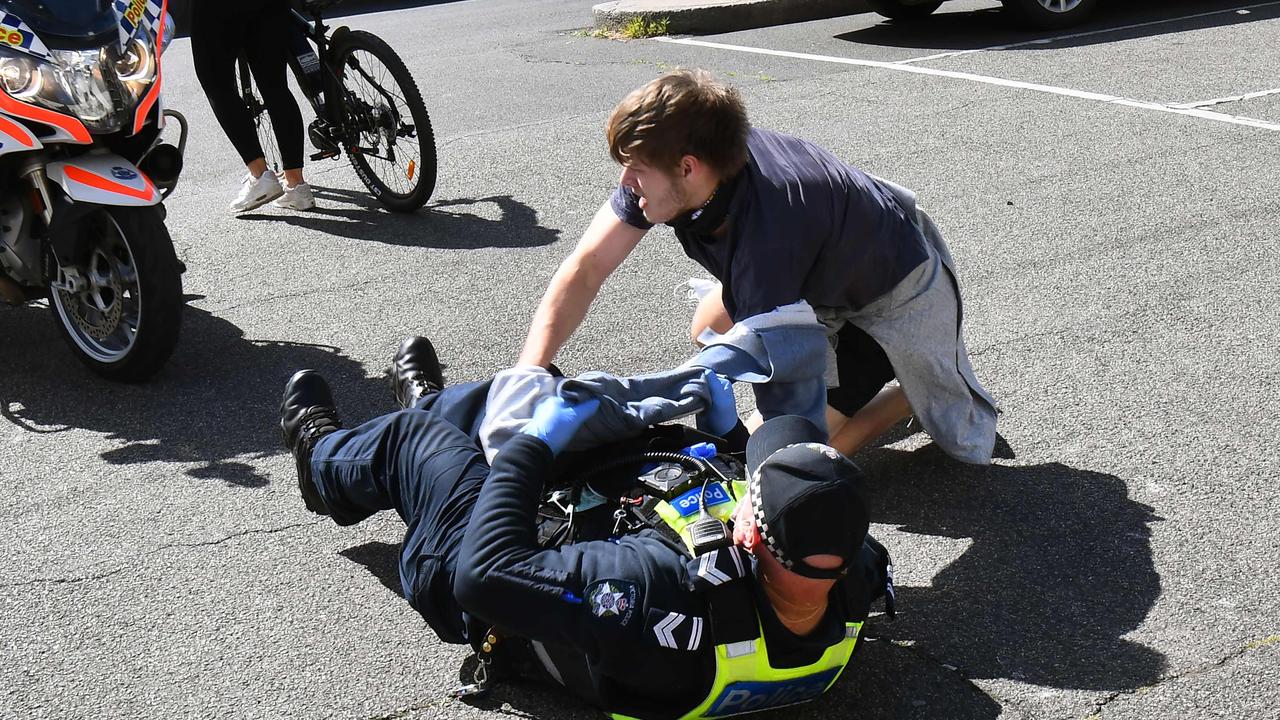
(898, 10)
(1051, 14)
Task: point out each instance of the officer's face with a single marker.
(663, 193)
(747, 536)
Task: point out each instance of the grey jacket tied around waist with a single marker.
(919, 325)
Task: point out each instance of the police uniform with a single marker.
(628, 623)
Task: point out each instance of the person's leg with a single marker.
(266, 49)
(886, 409)
(215, 46)
(390, 463)
(862, 408)
(431, 474)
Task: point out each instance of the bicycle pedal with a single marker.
(324, 155)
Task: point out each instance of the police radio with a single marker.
(709, 533)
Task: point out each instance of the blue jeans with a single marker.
(425, 464)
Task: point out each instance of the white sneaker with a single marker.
(298, 197)
(256, 193)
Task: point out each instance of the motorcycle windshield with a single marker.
(71, 21)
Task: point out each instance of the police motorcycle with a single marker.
(689, 494)
(83, 172)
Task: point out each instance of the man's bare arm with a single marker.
(603, 247)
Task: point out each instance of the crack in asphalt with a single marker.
(258, 531)
(162, 548)
(1100, 706)
(404, 712)
(1005, 704)
(318, 290)
(507, 128)
(64, 581)
(535, 60)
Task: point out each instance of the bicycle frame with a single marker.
(314, 71)
(311, 67)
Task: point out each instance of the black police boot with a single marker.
(415, 371)
(307, 413)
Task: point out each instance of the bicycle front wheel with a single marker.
(252, 100)
(389, 142)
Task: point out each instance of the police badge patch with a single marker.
(609, 599)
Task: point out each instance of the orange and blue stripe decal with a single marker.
(20, 134)
(84, 177)
(67, 123)
(148, 100)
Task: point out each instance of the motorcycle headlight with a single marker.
(100, 87)
(20, 75)
(88, 87)
(136, 63)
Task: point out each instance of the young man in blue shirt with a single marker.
(777, 220)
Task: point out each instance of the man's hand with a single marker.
(555, 421)
(721, 414)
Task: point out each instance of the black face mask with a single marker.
(708, 218)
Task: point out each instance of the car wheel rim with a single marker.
(1060, 6)
(103, 317)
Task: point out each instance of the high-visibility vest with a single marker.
(745, 681)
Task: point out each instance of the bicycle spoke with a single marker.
(372, 86)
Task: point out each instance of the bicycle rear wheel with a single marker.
(391, 146)
(258, 113)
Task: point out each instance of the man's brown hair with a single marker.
(683, 112)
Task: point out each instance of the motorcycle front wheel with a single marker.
(123, 319)
(392, 147)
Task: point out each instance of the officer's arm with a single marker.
(504, 577)
(606, 243)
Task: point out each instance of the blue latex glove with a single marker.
(721, 414)
(555, 421)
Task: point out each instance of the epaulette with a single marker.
(718, 567)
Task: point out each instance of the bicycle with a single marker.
(387, 136)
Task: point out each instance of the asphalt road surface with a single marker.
(1116, 237)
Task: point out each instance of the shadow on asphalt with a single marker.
(985, 28)
(443, 225)
(1059, 569)
(214, 405)
(382, 560)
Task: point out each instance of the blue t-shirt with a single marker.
(802, 225)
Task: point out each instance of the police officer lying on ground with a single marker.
(633, 624)
(778, 220)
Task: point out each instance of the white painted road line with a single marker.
(1246, 9)
(987, 80)
(1232, 98)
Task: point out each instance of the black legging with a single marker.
(220, 31)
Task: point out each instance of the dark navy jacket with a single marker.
(802, 225)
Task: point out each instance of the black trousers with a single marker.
(863, 368)
(424, 464)
(221, 30)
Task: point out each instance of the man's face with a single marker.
(663, 193)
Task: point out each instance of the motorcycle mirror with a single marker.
(170, 30)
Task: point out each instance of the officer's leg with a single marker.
(428, 471)
(389, 463)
